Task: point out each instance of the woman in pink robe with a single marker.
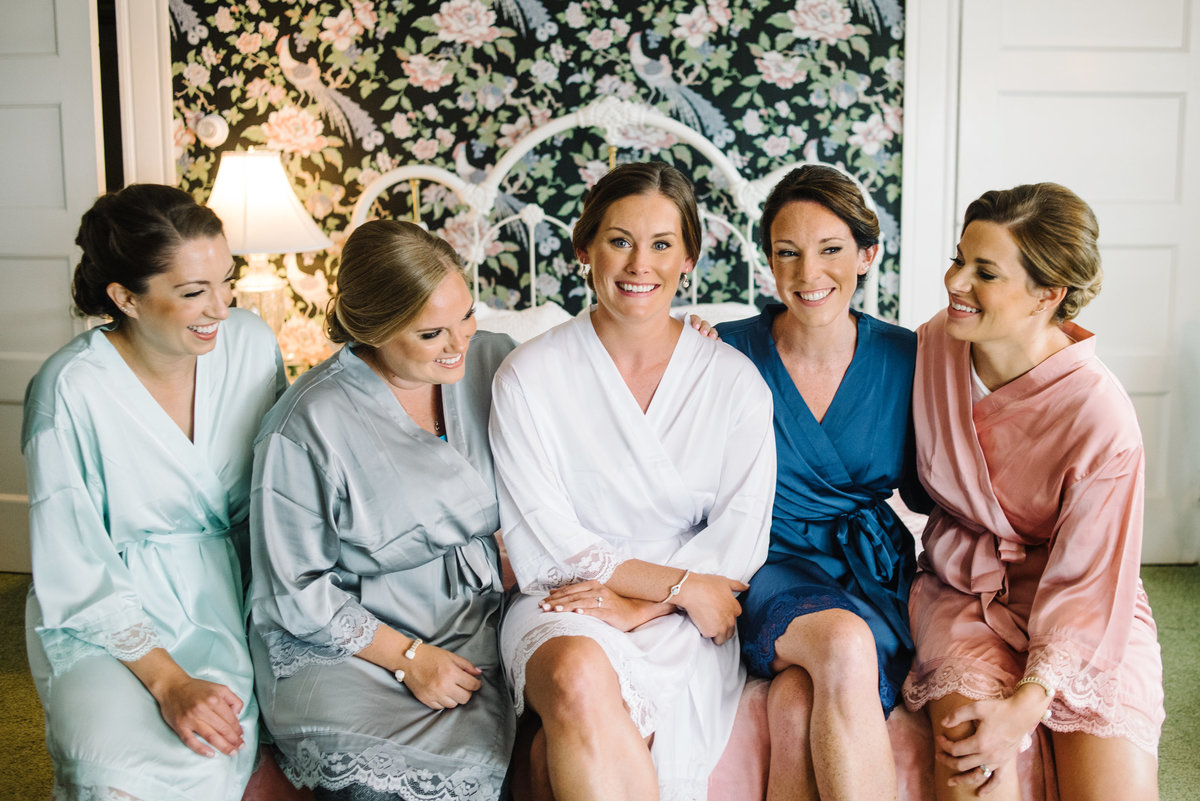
(1028, 609)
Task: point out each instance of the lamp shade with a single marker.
(261, 213)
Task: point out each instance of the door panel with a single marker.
(49, 157)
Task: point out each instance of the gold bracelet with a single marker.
(1045, 685)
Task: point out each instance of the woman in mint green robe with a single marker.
(136, 530)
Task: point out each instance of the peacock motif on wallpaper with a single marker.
(340, 111)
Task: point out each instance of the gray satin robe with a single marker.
(359, 516)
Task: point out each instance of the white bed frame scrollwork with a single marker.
(611, 116)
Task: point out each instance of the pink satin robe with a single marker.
(1032, 555)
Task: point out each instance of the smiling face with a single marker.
(992, 299)
(816, 262)
(637, 257)
(179, 313)
(433, 348)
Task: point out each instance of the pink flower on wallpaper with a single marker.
(425, 149)
(182, 137)
(269, 32)
(870, 134)
(783, 71)
(426, 73)
(196, 74)
(591, 172)
(467, 22)
(294, 130)
(600, 39)
(893, 117)
(303, 342)
(821, 20)
(364, 12)
(460, 231)
(511, 132)
(224, 20)
(694, 27)
(776, 146)
(341, 30)
(249, 43)
(644, 137)
(719, 11)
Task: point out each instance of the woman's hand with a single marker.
(195, 708)
(703, 326)
(1000, 728)
(711, 602)
(594, 599)
(440, 679)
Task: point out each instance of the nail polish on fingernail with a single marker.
(558, 608)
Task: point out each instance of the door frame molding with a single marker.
(144, 71)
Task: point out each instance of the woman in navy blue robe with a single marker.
(826, 618)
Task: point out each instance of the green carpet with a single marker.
(1174, 595)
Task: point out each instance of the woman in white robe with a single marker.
(377, 589)
(137, 442)
(635, 465)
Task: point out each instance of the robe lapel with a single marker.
(150, 416)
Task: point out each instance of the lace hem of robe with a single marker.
(384, 769)
(75, 792)
(642, 709)
(594, 563)
(758, 648)
(1086, 702)
(352, 629)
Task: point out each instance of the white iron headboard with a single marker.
(611, 116)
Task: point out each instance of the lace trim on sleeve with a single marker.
(352, 629)
(132, 643)
(594, 563)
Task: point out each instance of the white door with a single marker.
(51, 167)
(1103, 96)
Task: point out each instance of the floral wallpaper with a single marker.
(348, 89)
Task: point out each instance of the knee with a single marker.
(790, 698)
(839, 653)
(571, 678)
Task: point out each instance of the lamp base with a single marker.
(261, 291)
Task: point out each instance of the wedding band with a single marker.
(986, 771)
(599, 601)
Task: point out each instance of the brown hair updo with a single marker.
(131, 235)
(388, 272)
(1055, 232)
(640, 178)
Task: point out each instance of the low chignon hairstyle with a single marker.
(388, 272)
(829, 187)
(131, 235)
(640, 178)
(1055, 232)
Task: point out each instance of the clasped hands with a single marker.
(440, 679)
(1000, 727)
(709, 600)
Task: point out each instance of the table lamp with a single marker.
(262, 216)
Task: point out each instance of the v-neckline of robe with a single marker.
(795, 401)
(138, 392)
(377, 388)
(666, 380)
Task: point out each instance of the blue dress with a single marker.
(835, 542)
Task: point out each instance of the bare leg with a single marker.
(789, 710)
(1093, 768)
(851, 752)
(1003, 786)
(539, 769)
(593, 749)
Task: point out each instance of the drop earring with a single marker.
(685, 282)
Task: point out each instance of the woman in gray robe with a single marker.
(376, 585)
